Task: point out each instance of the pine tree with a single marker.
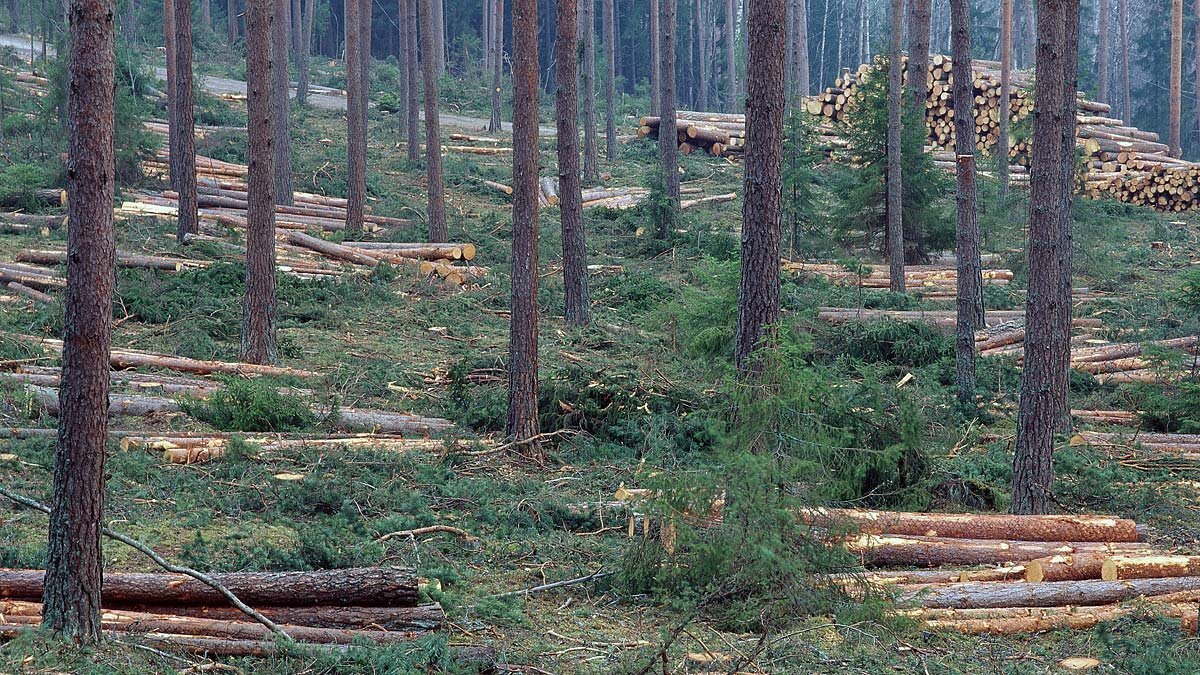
(1002, 142)
(71, 596)
(969, 295)
(184, 118)
(433, 141)
(280, 102)
(587, 34)
(356, 134)
(667, 148)
(577, 307)
(1043, 403)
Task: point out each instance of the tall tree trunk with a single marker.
(895, 200)
(259, 344)
(495, 124)
(591, 153)
(280, 103)
(702, 62)
(1126, 102)
(610, 85)
(414, 108)
(184, 119)
(1196, 48)
(485, 34)
(655, 57)
(231, 21)
(1176, 83)
(1002, 145)
(402, 60)
(821, 79)
(128, 20)
(1043, 403)
(296, 28)
(919, 16)
(789, 53)
(577, 307)
(14, 17)
(172, 53)
(802, 77)
(668, 148)
(758, 291)
(1028, 29)
(439, 36)
(731, 103)
(205, 15)
(522, 423)
(433, 141)
(969, 296)
(366, 19)
(71, 595)
(1102, 53)
(356, 134)
(304, 50)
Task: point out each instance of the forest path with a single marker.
(320, 97)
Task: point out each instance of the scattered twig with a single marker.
(163, 563)
(516, 444)
(598, 574)
(429, 529)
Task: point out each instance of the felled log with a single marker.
(1047, 594)
(421, 617)
(208, 450)
(1018, 620)
(331, 249)
(356, 586)
(124, 358)
(1171, 443)
(464, 251)
(118, 404)
(712, 199)
(32, 294)
(939, 576)
(901, 551)
(124, 259)
(1071, 567)
(1114, 417)
(1050, 528)
(9, 274)
(381, 421)
(549, 189)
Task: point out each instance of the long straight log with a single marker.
(331, 249)
(32, 294)
(124, 259)
(1052, 528)
(1048, 594)
(1037, 620)
(901, 551)
(357, 586)
(421, 617)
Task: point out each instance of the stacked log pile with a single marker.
(1111, 363)
(723, 134)
(326, 609)
(1047, 571)
(934, 281)
(1185, 446)
(941, 318)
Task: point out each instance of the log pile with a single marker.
(184, 448)
(1112, 363)
(330, 608)
(935, 281)
(1186, 446)
(1046, 571)
(941, 318)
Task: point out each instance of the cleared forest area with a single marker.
(840, 510)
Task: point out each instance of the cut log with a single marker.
(32, 294)
(357, 586)
(1073, 567)
(421, 617)
(1036, 620)
(1052, 528)
(332, 250)
(124, 259)
(549, 188)
(118, 404)
(899, 551)
(1048, 594)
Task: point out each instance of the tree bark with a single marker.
(702, 56)
(655, 58)
(258, 305)
(895, 200)
(433, 141)
(184, 118)
(731, 104)
(969, 300)
(1176, 82)
(422, 617)
(1102, 52)
(495, 124)
(1053, 528)
(356, 586)
(414, 108)
(577, 307)
(758, 292)
(205, 15)
(522, 423)
(14, 17)
(172, 54)
(280, 105)
(231, 22)
(802, 77)
(1196, 57)
(610, 81)
(668, 148)
(1002, 145)
(1126, 102)
(1043, 402)
(591, 153)
(356, 134)
(917, 91)
(438, 52)
(304, 48)
(73, 577)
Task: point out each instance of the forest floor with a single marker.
(641, 390)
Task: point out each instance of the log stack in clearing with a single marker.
(933, 281)
(324, 608)
(1110, 363)
(1046, 572)
(941, 318)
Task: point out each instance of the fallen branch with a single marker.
(429, 529)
